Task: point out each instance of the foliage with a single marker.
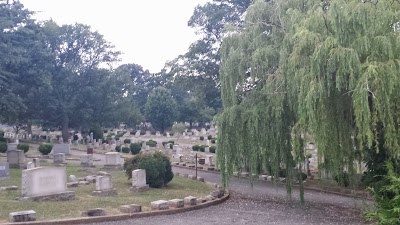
(209, 137)
(45, 149)
(3, 147)
(24, 147)
(178, 128)
(125, 149)
(97, 132)
(213, 141)
(135, 148)
(213, 149)
(127, 141)
(151, 143)
(196, 148)
(160, 108)
(387, 198)
(158, 168)
(142, 132)
(1, 133)
(202, 148)
(118, 148)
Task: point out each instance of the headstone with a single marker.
(36, 162)
(12, 147)
(104, 186)
(113, 146)
(61, 148)
(91, 137)
(59, 158)
(16, 159)
(30, 165)
(89, 150)
(139, 181)
(61, 140)
(73, 178)
(113, 160)
(96, 144)
(45, 183)
(87, 160)
(4, 170)
(22, 216)
(209, 160)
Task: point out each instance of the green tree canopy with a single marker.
(161, 108)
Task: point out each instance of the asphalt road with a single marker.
(265, 203)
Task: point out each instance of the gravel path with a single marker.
(264, 203)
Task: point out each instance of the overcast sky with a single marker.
(149, 33)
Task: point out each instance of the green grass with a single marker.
(178, 188)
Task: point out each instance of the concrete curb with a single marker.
(282, 184)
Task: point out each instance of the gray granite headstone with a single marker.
(16, 159)
(61, 148)
(4, 170)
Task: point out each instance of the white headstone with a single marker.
(4, 170)
(209, 160)
(113, 159)
(59, 158)
(61, 148)
(44, 181)
(30, 165)
(103, 183)
(139, 178)
(87, 160)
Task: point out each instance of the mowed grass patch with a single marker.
(47, 210)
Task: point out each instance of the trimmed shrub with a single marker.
(24, 147)
(171, 133)
(135, 148)
(153, 132)
(118, 148)
(195, 148)
(151, 143)
(45, 149)
(97, 132)
(125, 149)
(127, 141)
(105, 131)
(142, 132)
(3, 147)
(201, 138)
(213, 141)
(213, 149)
(3, 139)
(202, 148)
(133, 132)
(116, 138)
(164, 134)
(157, 166)
(209, 137)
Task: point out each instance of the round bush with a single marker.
(157, 166)
(3, 147)
(45, 149)
(125, 149)
(118, 148)
(135, 148)
(127, 141)
(213, 141)
(151, 143)
(105, 131)
(202, 148)
(24, 147)
(201, 138)
(195, 148)
(209, 137)
(213, 149)
(133, 132)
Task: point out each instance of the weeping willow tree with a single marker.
(322, 69)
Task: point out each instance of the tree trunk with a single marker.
(65, 130)
(29, 128)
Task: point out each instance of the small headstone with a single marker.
(36, 162)
(113, 160)
(59, 158)
(22, 216)
(159, 205)
(4, 170)
(104, 186)
(190, 200)
(192, 177)
(200, 179)
(139, 181)
(176, 203)
(87, 160)
(30, 165)
(133, 208)
(16, 159)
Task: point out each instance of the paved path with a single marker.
(265, 203)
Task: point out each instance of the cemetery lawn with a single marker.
(48, 210)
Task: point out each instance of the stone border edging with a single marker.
(294, 185)
(98, 219)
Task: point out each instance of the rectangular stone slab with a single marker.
(159, 205)
(22, 216)
(176, 203)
